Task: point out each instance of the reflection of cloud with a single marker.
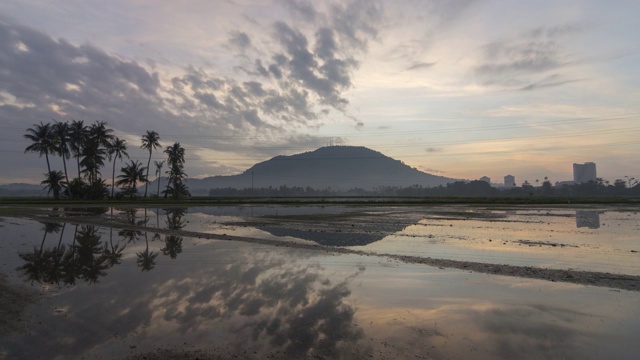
(453, 327)
(283, 306)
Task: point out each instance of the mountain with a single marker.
(20, 189)
(335, 167)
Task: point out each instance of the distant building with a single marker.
(485, 179)
(509, 181)
(583, 173)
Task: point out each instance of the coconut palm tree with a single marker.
(117, 149)
(61, 135)
(78, 134)
(43, 141)
(159, 165)
(94, 149)
(131, 175)
(150, 141)
(54, 181)
(175, 160)
(93, 156)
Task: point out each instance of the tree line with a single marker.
(476, 188)
(91, 146)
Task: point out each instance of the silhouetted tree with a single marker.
(117, 149)
(54, 181)
(42, 140)
(150, 141)
(131, 175)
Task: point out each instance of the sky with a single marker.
(459, 88)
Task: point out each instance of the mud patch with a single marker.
(13, 301)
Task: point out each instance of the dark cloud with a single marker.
(240, 39)
(433, 150)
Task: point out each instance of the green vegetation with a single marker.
(92, 146)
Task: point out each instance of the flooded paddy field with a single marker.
(347, 282)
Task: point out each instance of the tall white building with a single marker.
(583, 173)
(509, 181)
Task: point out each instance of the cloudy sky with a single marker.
(456, 88)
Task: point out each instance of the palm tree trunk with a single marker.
(158, 194)
(64, 163)
(113, 177)
(147, 184)
(46, 155)
(78, 161)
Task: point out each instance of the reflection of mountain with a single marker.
(349, 229)
(587, 218)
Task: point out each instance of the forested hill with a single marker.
(335, 167)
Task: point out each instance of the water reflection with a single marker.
(173, 242)
(87, 258)
(291, 303)
(587, 218)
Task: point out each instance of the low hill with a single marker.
(335, 167)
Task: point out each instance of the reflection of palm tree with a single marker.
(174, 218)
(113, 253)
(91, 263)
(146, 260)
(172, 246)
(132, 235)
(55, 270)
(36, 262)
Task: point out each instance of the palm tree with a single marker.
(175, 160)
(159, 165)
(117, 149)
(132, 174)
(78, 134)
(150, 141)
(93, 159)
(43, 141)
(100, 133)
(55, 182)
(61, 134)
(94, 149)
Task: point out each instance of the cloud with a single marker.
(420, 65)
(239, 39)
(520, 61)
(290, 88)
(550, 81)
